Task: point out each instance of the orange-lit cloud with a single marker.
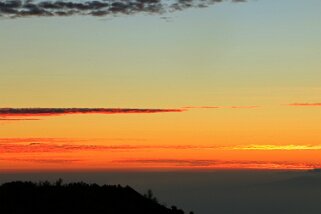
(39, 153)
(306, 104)
(37, 140)
(201, 107)
(59, 148)
(54, 147)
(172, 162)
(42, 160)
(17, 119)
(275, 147)
(32, 145)
(218, 164)
(220, 107)
(62, 140)
(187, 164)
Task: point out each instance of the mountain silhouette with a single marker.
(77, 198)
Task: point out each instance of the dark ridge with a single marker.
(77, 198)
(317, 170)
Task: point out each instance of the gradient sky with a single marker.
(245, 77)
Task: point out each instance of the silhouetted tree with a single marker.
(59, 182)
(150, 195)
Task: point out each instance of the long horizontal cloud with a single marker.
(61, 148)
(173, 162)
(32, 112)
(42, 160)
(26, 8)
(63, 140)
(178, 163)
(219, 164)
(220, 107)
(66, 145)
(21, 114)
(67, 148)
(305, 104)
(17, 119)
(275, 147)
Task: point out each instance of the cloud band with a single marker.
(305, 104)
(27, 8)
(32, 112)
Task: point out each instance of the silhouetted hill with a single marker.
(76, 198)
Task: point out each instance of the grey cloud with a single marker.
(8, 113)
(27, 8)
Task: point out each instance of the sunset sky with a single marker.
(224, 85)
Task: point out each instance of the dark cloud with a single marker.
(27, 8)
(16, 114)
(27, 112)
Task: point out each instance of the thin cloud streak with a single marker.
(63, 140)
(24, 114)
(275, 147)
(18, 119)
(305, 104)
(172, 162)
(63, 148)
(66, 148)
(175, 163)
(45, 145)
(47, 8)
(42, 160)
(201, 107)
(220, 107)
(219, 164)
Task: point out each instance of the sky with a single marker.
(161, 85)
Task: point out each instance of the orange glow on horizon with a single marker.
(98, 154)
